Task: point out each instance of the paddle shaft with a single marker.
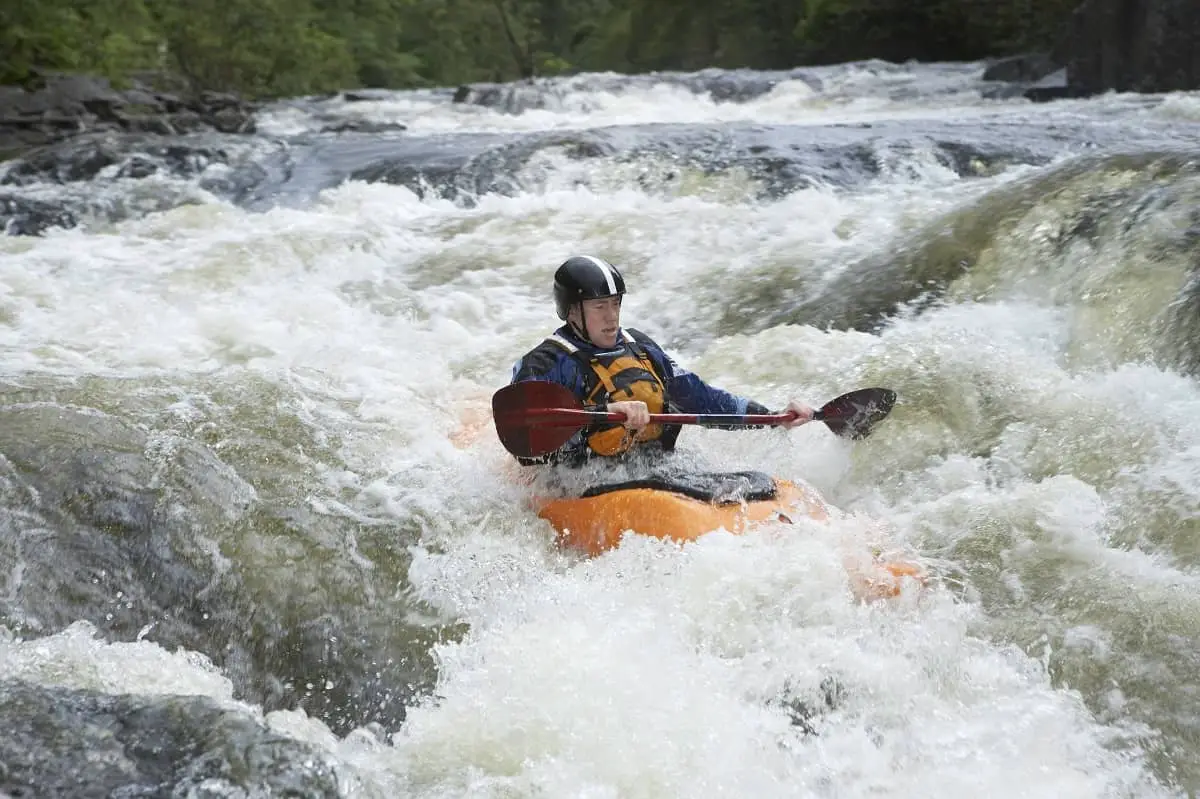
(537, 417)
(566, 417)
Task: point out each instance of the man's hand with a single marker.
(802, 414)
(637, 415)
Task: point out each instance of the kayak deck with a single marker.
(595, 524)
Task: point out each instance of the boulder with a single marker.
(1053, 87)
(362, 126)
(22, 216)
(61, 741)
(1025, 68)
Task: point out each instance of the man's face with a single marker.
(602, 320)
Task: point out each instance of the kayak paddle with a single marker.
(536, 417)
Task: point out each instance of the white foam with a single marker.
(658, 670)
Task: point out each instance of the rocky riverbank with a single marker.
(56, 106)
(66, 128)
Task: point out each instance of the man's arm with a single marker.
(540, 364)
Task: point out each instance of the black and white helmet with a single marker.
(585, 277)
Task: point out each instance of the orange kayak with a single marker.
(596, 523)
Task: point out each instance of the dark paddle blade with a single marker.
(853, 415)
(515, 409)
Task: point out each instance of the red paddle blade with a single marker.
(853, 415)
(515, 409)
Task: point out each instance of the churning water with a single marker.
(256, 533)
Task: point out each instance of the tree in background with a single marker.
(259, 47)
(927, 30)
(289, 47)
(113, 37)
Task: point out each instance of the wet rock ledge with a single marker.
(55, 106)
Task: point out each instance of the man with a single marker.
(620, 370)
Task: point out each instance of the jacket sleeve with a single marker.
(539, 364)
(688, 393)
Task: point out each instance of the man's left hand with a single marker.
(801, 414)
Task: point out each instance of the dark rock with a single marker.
(722, 85)
(516, 97)
(68, 742)
(70, 92)
(186, 121)
(68, 162)
(734, 86)
(1026, 68)
(95, 508)
(362, 126)
(1035, 76)
(60, 106)
(1003, 91)
(136, 97)
(84, 157)
(1053, 87)
(235, 184)
(232, 120)
(1134, 45)
(17, 101)
(148, 123)
(139, 166)
(217, 101)
(234, 168)
(364, 96)
(171, 103)
(21, 216)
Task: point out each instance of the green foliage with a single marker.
(111, 37)
(255, 46)
(287, 47)
(371, 32)
(927, 30)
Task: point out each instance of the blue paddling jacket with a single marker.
(637, 368)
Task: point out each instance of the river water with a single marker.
(257, 535)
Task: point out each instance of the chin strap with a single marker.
(582, 333)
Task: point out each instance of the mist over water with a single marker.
(248, 484)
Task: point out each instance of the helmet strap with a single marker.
(581, 328)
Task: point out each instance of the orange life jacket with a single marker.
(626, 374)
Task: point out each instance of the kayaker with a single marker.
(619, 369)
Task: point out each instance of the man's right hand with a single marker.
(637, 415)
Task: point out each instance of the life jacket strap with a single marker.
(603, 373)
